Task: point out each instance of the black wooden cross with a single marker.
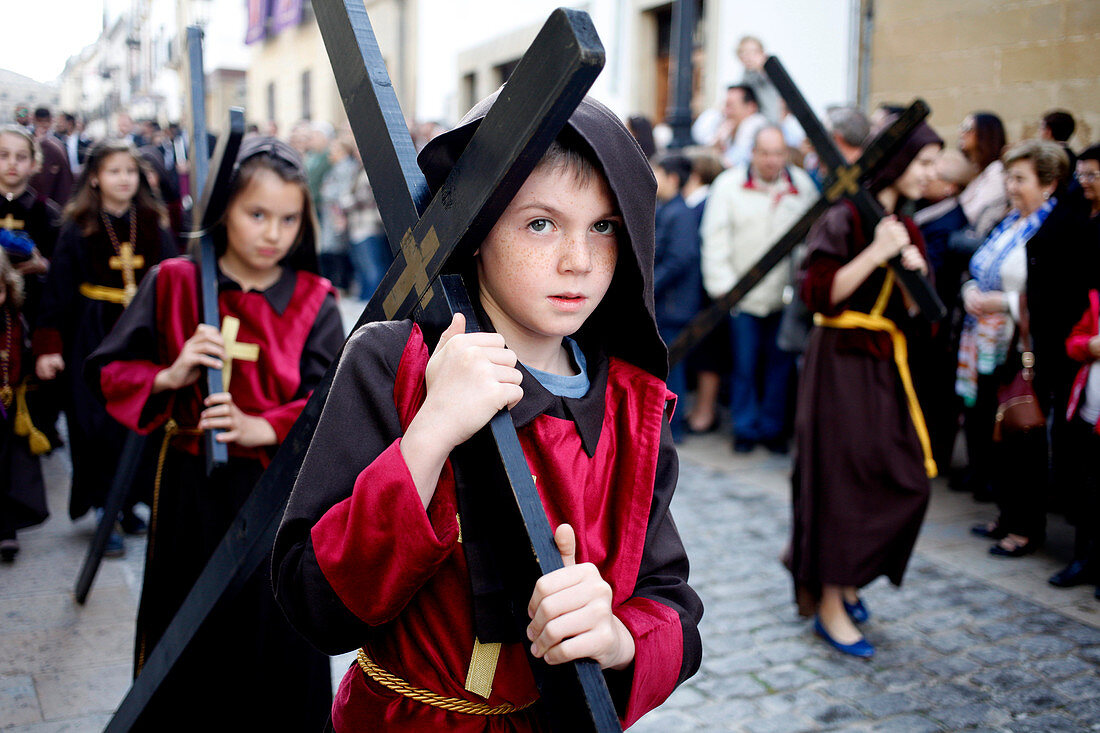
(843, 181)
(207, 211)
(545, 88)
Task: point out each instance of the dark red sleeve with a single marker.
(827, 251)
(332, 584)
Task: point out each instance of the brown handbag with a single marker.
(1018, 411)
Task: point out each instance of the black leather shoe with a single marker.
(1076, 573)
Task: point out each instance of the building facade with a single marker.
(1016, 58)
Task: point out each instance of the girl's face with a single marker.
(117, 178)
(16, 163)
(262, 223)
(1025, 193)
(914, 181)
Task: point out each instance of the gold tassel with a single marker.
(24, 427)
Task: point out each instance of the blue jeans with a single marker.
(760, 382)
(370, 258)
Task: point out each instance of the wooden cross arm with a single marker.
(842, 181)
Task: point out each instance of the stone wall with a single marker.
(1017, 58)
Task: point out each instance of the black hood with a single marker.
(623, 325)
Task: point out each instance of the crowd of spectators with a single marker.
(1012, 233)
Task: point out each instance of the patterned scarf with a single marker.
(986, 340)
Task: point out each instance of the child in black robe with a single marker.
(113, 233)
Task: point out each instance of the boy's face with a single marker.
(549, 260)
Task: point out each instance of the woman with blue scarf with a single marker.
(1032, 253)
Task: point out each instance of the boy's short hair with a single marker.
(570, 153)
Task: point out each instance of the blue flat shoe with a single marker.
(857, 611)
(861, 648)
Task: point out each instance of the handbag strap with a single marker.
(1024, 329)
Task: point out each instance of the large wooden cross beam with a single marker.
(843, 181)
(545, 88)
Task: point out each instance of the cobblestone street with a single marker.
(970, 642)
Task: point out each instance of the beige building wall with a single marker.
(1016, 58)
(277, 72)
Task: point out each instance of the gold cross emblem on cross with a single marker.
(847, 182)
(415, 274)
(10, 222)
(127, 262)
(235, 349)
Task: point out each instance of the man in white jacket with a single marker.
(749, 208)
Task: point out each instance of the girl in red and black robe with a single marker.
(91, 280)
(360, 560)
(281, 329)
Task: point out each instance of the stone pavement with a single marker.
(969, 642)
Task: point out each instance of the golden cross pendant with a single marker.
(10, 222)
(235, 349)
(127, 262)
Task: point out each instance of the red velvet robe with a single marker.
(358, 561)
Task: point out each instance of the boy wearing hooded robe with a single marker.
(370, 552)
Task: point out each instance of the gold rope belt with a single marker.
(102, 292)
(454, 704)
(870, 322)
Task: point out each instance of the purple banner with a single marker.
(285, 14)
(258, 11)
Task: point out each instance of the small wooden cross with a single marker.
(10, 222)
(235, 349)
(127, 262)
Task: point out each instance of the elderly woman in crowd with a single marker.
(1027, 276)
(982, 140)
